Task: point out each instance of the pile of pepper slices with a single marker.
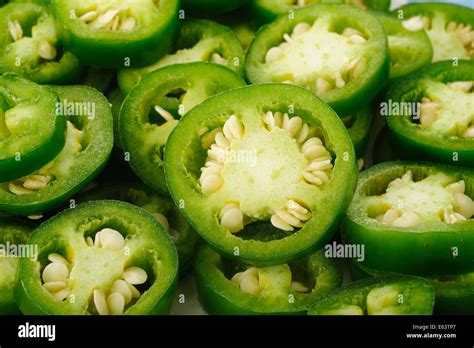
(142, 141)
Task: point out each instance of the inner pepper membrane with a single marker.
(284, 150)
(406, 202)
(60, 278)
(327, 59)
(449, 38)
(447, 108)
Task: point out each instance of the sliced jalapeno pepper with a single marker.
(32, 46)
(454, 293)
(227, 287)
(336, 51)
(396, 295)
(268, 10)
(430, 115)
(89, 140)
(199, 40)
(263, 173)
(153, 108)
(449, 27)
(213, 6)
(13, 234)
(161, 207)
(424, 210)
(31, 133)
(102, 257)
(114, 34)
(410, 48)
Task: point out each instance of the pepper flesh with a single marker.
(32, 46)
(146, 244)
(434, 119)
(184, 237)
(31, 132)
(199, 40)
(426, 248)
(13, 233)
(392, 295)
(287, 184)
(336, 51)
(303, 281)
(89, 141)
(154, 108)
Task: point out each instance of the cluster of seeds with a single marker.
(107, 238)
(322, 85)
(56, 277)
(109, 18)
(122, 292)
(319, 170)
(249, 282)
(31, 184)
(293, 215)
(38, 181)
(464, 33)
(462, 205)
(46, 49)
(210, 179)
(430, 109)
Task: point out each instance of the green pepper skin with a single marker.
(110, 49)
(355, 94)
(408, 139)
(151, 247)
(14, 232)
(443, 13)
(269, 10)
(220, 297)
(63, 69)
(213, 6)
(416, 291)
(73, 172)
(144, 139)
(140, 195)
(409, 50)
(35, 142)
(196, 35)
(425, 249)
(183, 186)
(116, 98)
